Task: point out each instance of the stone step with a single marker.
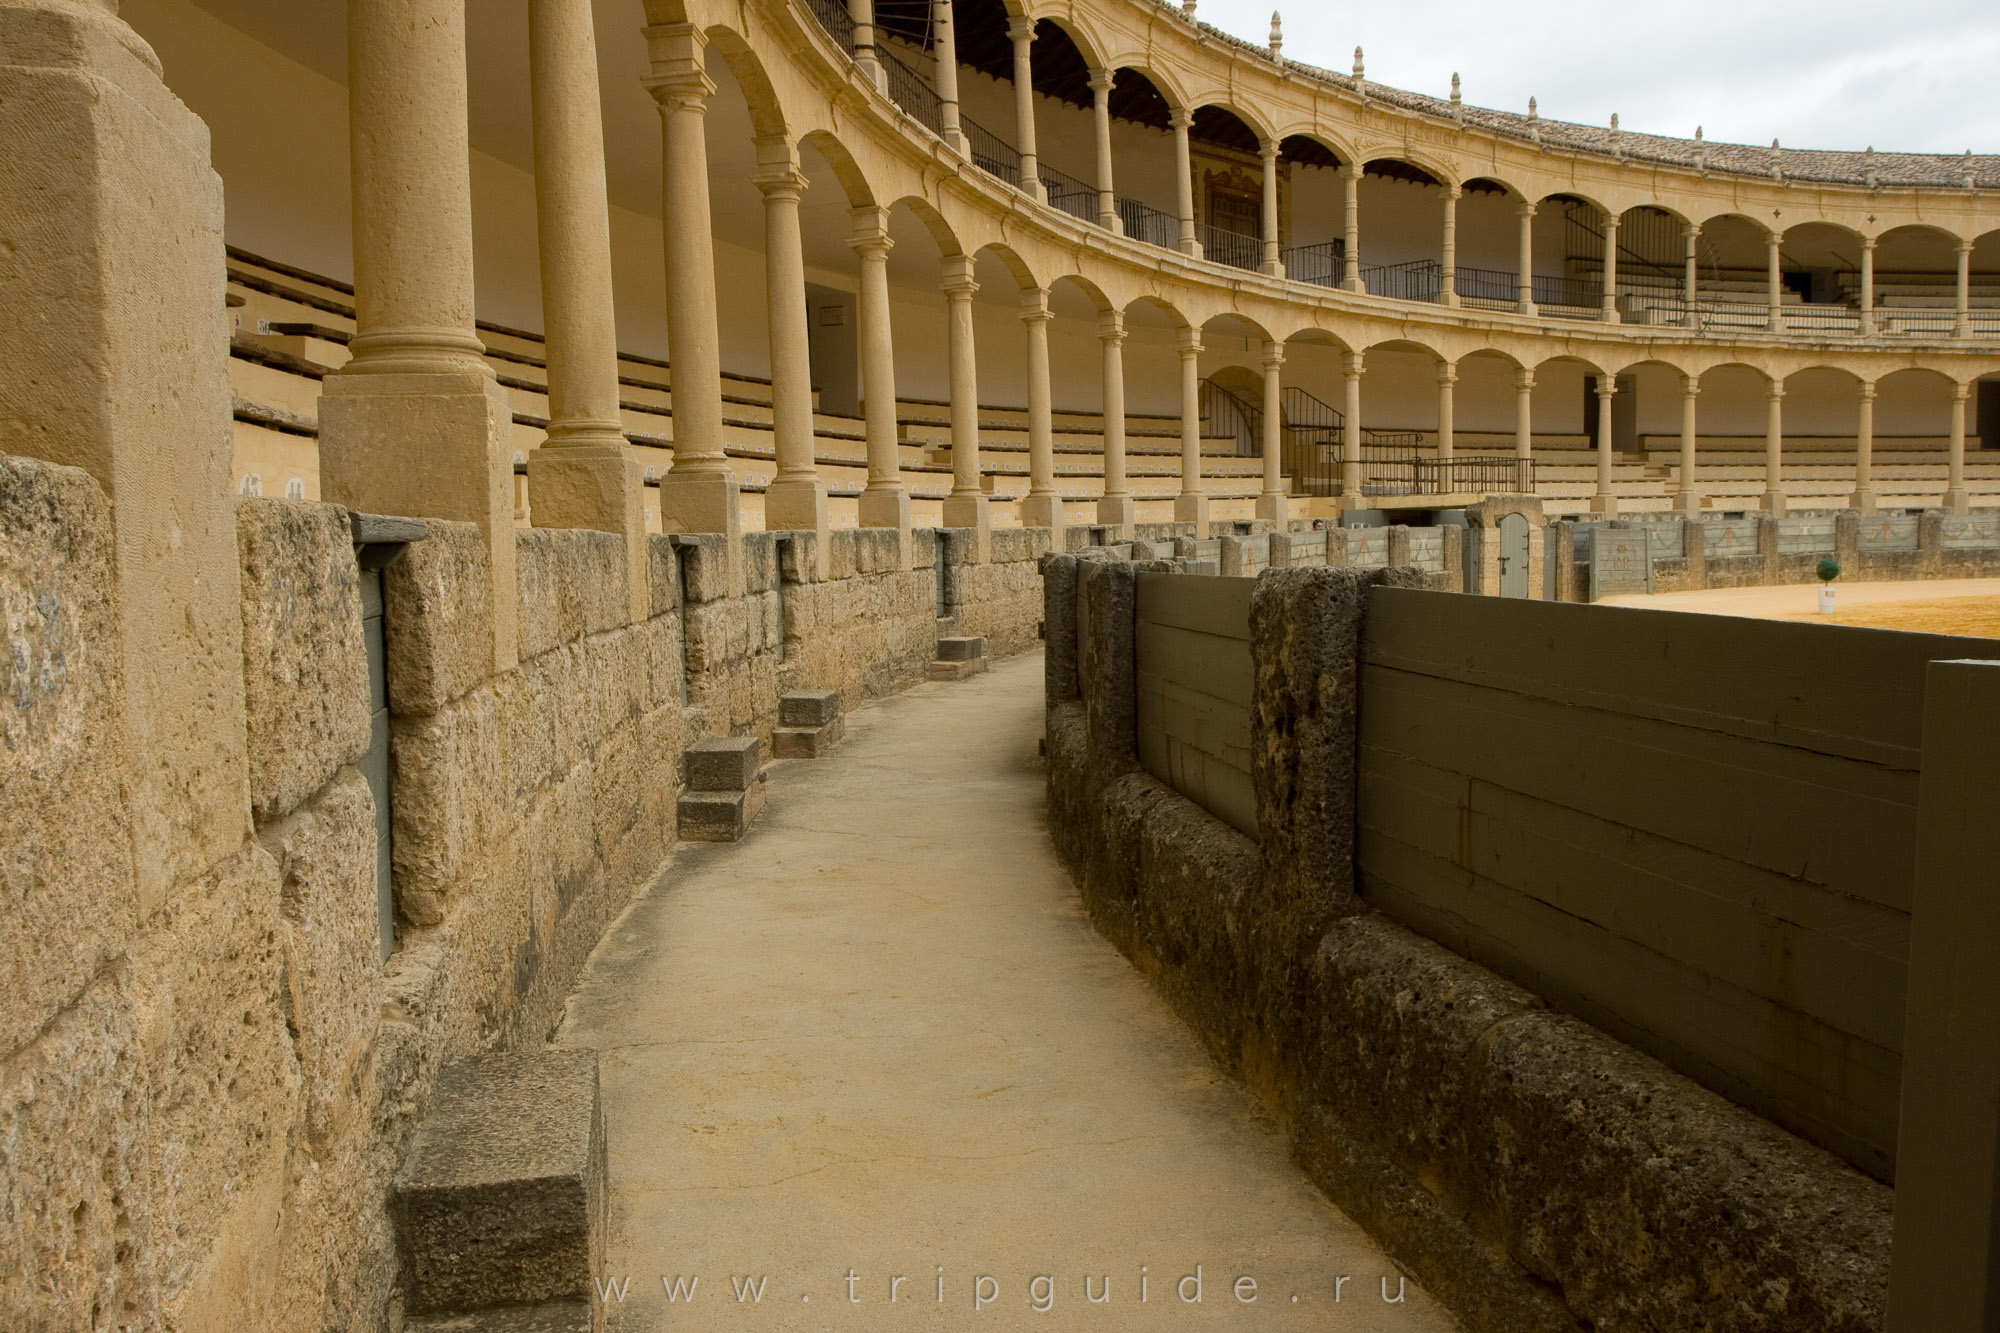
(500, 1207)
(719, 816)
(809, 723)
(961, 648)
(722, 764)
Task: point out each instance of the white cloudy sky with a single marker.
(1910, 76)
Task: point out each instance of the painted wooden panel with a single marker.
(1194, 679)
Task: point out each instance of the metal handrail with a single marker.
(1416, 280)
(1230, 247)
(908, 90)
(839, 24)
(1223, 413)
(1322, 264)
(1146, 223)
(1078, 198)
(991, 153)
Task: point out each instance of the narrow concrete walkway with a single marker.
(880, 1037)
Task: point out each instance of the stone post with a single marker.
(1350, 435)
(1100, 103)
(1954, 493)
(1963, 328)
(966, 506)
(1605, 501)
(945, 38)
(884, 503)
(1184, 181)
(1043, 507)
(584, 475)
(1525, 303)
(796, 499)
(699, 493)
(1867, 286)
(1448, 278)
(1524, 436)
(1687, 494)
(1273, 503)
(1611, 268)
(1863, 498)
(114, 354)
(1447, 378)
(416, 423)
(1116, 508)
(1775, 320)
(863, 14)
(1021, 31)
(1273, 265)
(1350, 278)
(1774, 449)
(1691, 282)
(1191, 505)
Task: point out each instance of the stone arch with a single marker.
(1016, 266)
(860, 194)
(767, 113)
(934, 222)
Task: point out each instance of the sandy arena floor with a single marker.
(1941, 606)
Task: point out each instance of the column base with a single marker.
(1118, 511)
(1192, 507)
(1688, 503)
(885, 504)
(600, 487)
(1448, 298)
(1275, 506)
(973, 513)
(1863, 499)
(1044, 511)
(1774, 503)
(1603, 503)
(1354, 285)
(692, 502)
(431, 445)
(1272, 268)
(1955, 501)
(1528, 308)
(1190, 247)
(798, 504)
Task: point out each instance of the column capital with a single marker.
(1274, 355)
(1777, 236)
(1021, 28)
(675, 51)
(958, 281)
(1100, 82)
(780, 182)
(1179, 118)
(1960, 391)
(1111, 327)
(1525, 210)
(1965, 247)
(871, 230)
(1035, 305)
(1611, 220)
(1268, 149)
(1351, 170)
(1447, 372)
(681, 90)
(1690, 230)
(1353, 364)
(1453, 190)
(1188, 343)
(1775, 390)
(1867, 242)
(1867, 389)
(1607, 386)
(1524, 380)
(1690, 386)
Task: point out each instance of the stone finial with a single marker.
(1277, 35)
(1360, 74)
(1868, 166)
(1700, 152)
(1777, 161)
(1617, 142)
(1187, 10)
(1969, 174)
(1534, 121)
(1457, 100)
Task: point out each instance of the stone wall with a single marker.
(1531, 1171)
(206, 1087)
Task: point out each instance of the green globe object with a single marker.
(1828, 570)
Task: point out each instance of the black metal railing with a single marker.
(1146, 223)
(1474, 475)
(1487, 284)
(908, 90)
(1230, 247)
(1078, 198)
(1575, 292)
(991, 153)
(1416, 280)
(1321, 265)
(1224, 413)
(839, 24)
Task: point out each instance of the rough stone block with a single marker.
(808, 708)
(760, 561)
(719, 816)
(806, 742)
(663, 568)
(438, 617)
(66, 870)
(305, 667)
(923, 547)
(798, 557)
(957, 670)
(962, 648)
(448, 804)
(502, 1199)
(722, 763)
(704, 566)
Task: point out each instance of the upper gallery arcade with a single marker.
(800, 263)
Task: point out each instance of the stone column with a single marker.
(1447, 378)
(114, 353)
(1184, 181)
(863, 14)
(1273, 502)
(885, 503)
(945, 51)
(699, 493)
(1525, 302)
(1448, 278)
(1687, 495)
(1022, 32)
(416, 423)
(1611, 268)
(584, 475)
(1273, 265)
(1863, 498)
(1524, 436)
(1954, 494)
(1350, 175)
(796, 498)
(1350, 435)
(1191, 505)
(1043, 507)
(1774, 449)
(1100, 109)
(1691, 283)
(1964, 327)
(1775, 321)
(1868, 286)
(1606, 499)
(1116, 508)
(966, 506)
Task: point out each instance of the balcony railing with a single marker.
(1146, 223)
(908, 90)
(1417, 280)
(991, 153)
(1230, 247)
(1078, 198)
(1487, 284)
(839, 24)
(1319, 264)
